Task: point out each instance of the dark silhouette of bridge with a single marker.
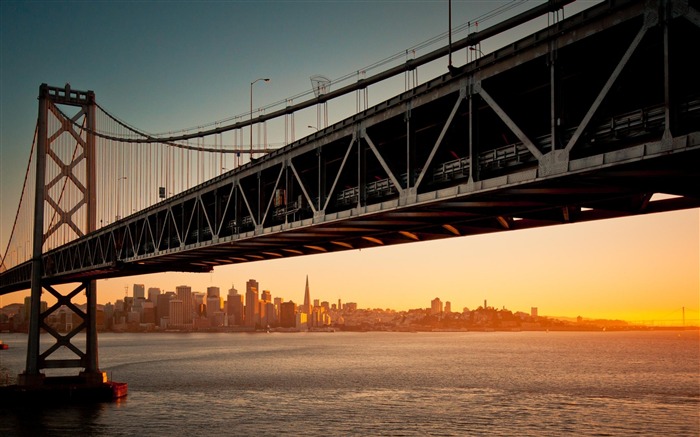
(589, 118)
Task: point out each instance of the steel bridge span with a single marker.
(590, 118)
(585, 120)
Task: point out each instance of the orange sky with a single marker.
(641, 269)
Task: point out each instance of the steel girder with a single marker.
(584, 120)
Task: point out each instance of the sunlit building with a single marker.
(288, 312)
(234, 307)
(306, 308)
(252, 310)
(267, 314)
(278, 304)
(436, 306)
(302, 321)
(198, 300)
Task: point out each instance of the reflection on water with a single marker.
(525, 383)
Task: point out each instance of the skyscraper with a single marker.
(184, 293)
(153, 293)
(306, 308)
(139, 291)
(213, 305)
(213, 291)
(163, 306)
(234, 307)
(288, 314)
(252, 310)
(436, 306)
(176, 310)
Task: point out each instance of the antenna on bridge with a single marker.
(321, 85)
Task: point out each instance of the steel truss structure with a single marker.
(76, 168)
(584, 120)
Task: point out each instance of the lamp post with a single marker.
(251, 112)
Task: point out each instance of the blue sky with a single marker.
(168, 65)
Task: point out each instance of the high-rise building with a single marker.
(266, 296)
(148, 313)
(177, 310)
(163, 305)
(436, 306)
(306, 308)
(234, 307)
(213, 291)
(184, 293)
(268, 317)
(448, 307)
(252, 308)
(288, 318)
(199, 302)
(213, 305)
(139, 291)
(153, 293)
(533, 311)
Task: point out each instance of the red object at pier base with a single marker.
(61, 389)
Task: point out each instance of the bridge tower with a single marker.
(66, 145)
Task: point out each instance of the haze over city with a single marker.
(194, 65)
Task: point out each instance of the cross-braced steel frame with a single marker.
(78, 172)
(584, 120)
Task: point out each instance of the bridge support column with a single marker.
(90, 383)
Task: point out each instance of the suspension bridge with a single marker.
(595, 116)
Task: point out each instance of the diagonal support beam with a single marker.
(386, 168)
(340, 171)
(509, 122)
(438, 142)
(277, 184)
(301, 184)
(245, 200)
(608, 85)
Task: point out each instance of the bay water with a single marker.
(381, 383)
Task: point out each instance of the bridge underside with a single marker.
(585, 120)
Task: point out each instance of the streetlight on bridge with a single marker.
(265, 79)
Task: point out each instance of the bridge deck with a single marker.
(580, 121)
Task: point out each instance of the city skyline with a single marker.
(257, 310)
(681, 316)
(635, 268)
